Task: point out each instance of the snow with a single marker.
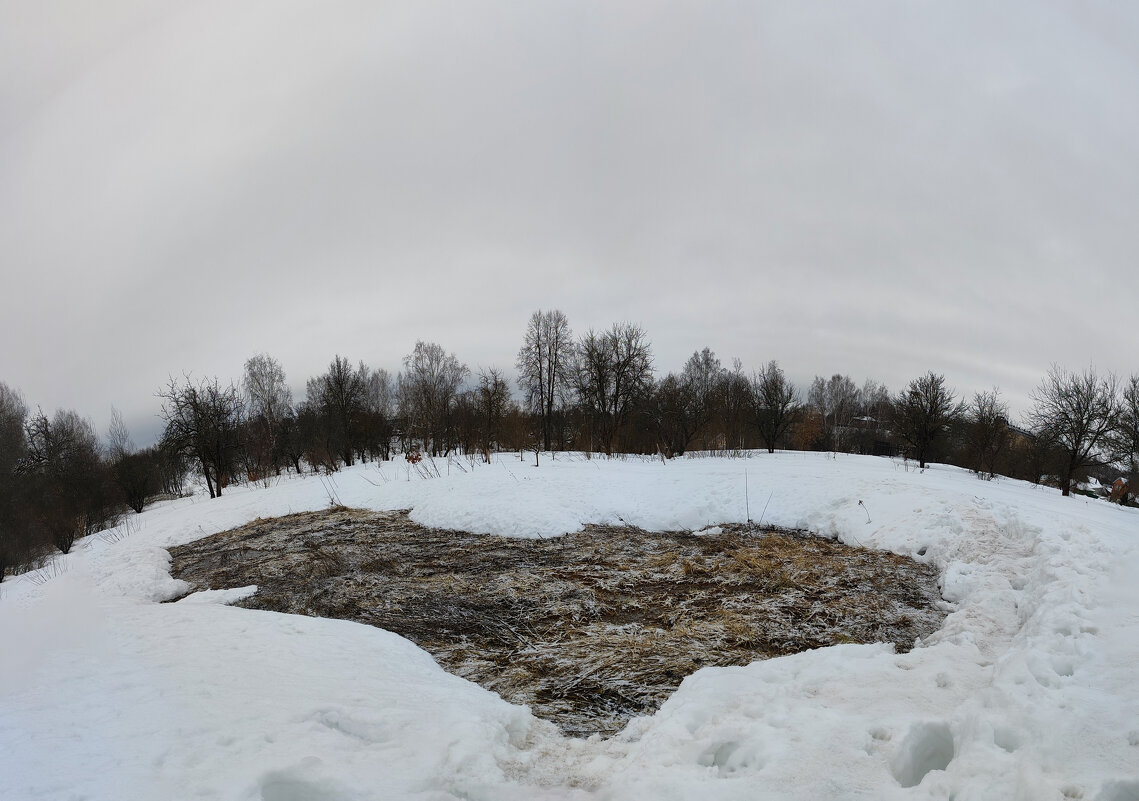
(228, 596)
(1027, 692)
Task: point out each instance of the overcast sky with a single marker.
(872, 188)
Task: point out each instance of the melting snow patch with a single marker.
(231, 596)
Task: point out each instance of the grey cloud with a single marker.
(879, 188)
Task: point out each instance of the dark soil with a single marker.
(589, 629)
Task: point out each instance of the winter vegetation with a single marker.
(595, 393)
(588, 630)
(590, 554)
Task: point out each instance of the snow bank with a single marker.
(1027, 692)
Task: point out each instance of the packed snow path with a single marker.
(1027, 692)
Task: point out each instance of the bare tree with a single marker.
(675, 410)
(173, 467)
(733, 404)
(16, 542)
(1077, 413)
(613, 371)
(1126, 438)
(701, 379)
(377, 416)
(203, 422)
(380, 390)
(267, 392)
(119, 442)
(339, 395)
(71, 484)
(135, 472)
(544, 363)
(492, 400)
(291, 443)
(875, 400)
(683, 405)
(923, 414)
(308, 435)
(775, 404)
(13, 438)
(986, 432)
(838, 400)
(873, 418)
(466, 422)
(427, 391)
(269, 401)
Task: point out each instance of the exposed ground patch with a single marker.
(589, 629)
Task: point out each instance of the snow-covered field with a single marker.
(1028, 691)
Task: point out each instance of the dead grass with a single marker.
(588, 629)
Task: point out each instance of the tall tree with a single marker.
(683, 405)
(15, 536)
(986, 432)
(874, 400)
(873, 421)
(1127, 430)
(339, 394)
(428, 388)
(70, 482)
(267, 392)
(700, 381)
(613, 371)
(675, 412)
(269, 401)
(135, 472)
(492, 400)
(544, 363)
(775, 404)
(377, 417)
(733, 404)
(923, 414)
(1077, 413)
(203, 422)
(837, 399)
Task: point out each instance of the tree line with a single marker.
(596, 393)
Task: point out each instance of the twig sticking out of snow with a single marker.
(764, 512)
(53, 569)
(329, 485)
(747, 504)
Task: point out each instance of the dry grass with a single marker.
(588, 629)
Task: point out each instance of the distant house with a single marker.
(1121, 492)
